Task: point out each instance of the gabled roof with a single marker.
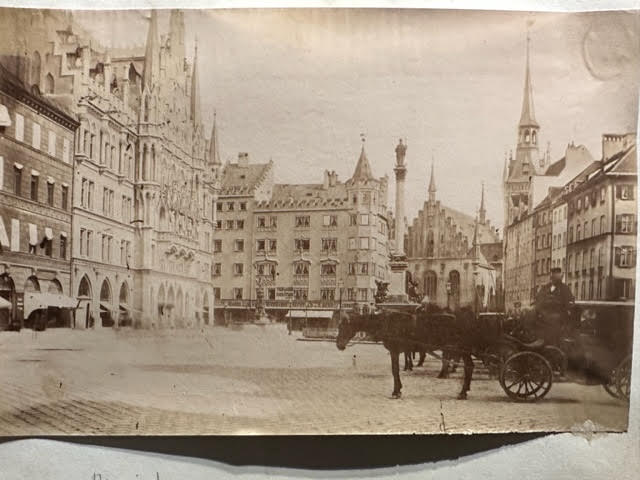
(626, 163)
(237, 180)
(557, 167)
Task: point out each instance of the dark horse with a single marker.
(406, 329)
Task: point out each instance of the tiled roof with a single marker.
(627, 162)
(237, 180)
(363, 169)
(307, 195)
(466, 225)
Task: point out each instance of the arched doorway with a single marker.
(205, 309)
(431, 285)
(106, 302)
(8, 316)
(170, 306)
(179, 306)
(161, 305)
(124, 315)
(84, 317)
(36, 317)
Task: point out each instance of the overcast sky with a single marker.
(300, 86)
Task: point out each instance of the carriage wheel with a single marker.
(526, 377)
(360, 336)
(623, 379)
(556, 358)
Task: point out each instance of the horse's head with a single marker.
(347, 329)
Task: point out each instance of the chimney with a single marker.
(243, 159)
(333, 179)
(326, 180)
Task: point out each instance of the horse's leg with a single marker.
(395, 371)
(468, 372)
(444, 370)
(423, 355)
(408, 362)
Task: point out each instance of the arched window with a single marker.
(454, 281)
(534, 137)
(84, 290)
(526, 136)
(430, 244)
(55, 286)
(32, 285)
(105, 291)
(49, 86)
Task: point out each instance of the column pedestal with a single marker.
(398, 284)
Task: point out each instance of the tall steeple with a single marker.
(527, 116)
(151, 52)
(214, 153)
(483, 212)
(176, 36)
(195, 90)
(432, 184)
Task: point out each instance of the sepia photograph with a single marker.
(317, 221)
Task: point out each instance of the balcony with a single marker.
(301, 279)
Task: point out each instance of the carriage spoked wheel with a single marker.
(526, 377)
(623, 378)
(610, 386)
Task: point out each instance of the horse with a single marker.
(400, 331)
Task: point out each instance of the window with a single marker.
(353, 219)
(624, 192)
(594, 227)
(363, 268)
(219, 206)
(50, 188)
(219, 224)
(273, 222)
(261, 222)
(35, 139)
(625, 257)
(625, 223)
(603, 226)
(240, 224)
(364, 243)
(328, 269)
(19, 127)
(66, 150)
(592, 258)
(569, 260)
(300, 293)
(216, 293)
(230, 224)
(352, 269)
(51, 147)
(65, 197)
(237, 293)
(363, 294)
(578, 237)
(89, 245)
(261, 245)
(17, 180)
(217, 246)
(353, 243)
(301, 268)
(83, 234)
(302, 244)
(238, 269)
(364, 219)
(328, 294)
(330, 221)
(586, 201)
(329, 245)
(624, 288)
(230, 206)
(63, 245)
(34, 187)
(273, 246)
(217, 269)
(303, 221)
(580, 204)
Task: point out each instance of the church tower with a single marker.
(527, 162)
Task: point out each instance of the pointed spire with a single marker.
(527, 117)
(505, 168)
(483, 212)
(195, 89)
(214, 153)
(150, 52)
(363, 169)
(432, 183)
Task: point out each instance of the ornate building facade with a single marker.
(452, 255)
(144, 181)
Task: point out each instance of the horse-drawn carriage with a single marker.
(595, 345)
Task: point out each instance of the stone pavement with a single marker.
(256, 380)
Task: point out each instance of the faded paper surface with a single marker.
(166, 342)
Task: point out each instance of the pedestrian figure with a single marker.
(354, 361)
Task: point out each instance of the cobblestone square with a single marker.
(254, 380)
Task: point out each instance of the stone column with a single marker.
(398, 263)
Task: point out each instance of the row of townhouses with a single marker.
(577, 213)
